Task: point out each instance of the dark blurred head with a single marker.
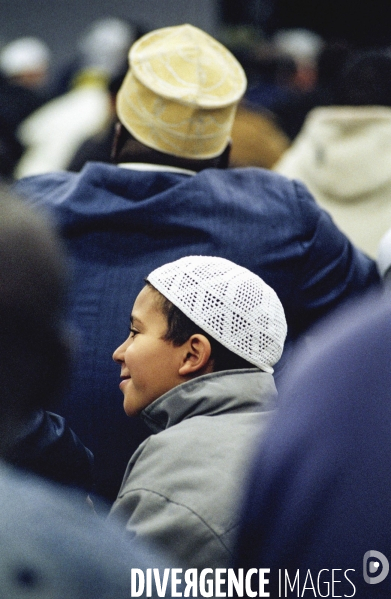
(33, 348)
(331, 61)
(366, 80)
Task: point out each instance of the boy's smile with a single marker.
(149, 364)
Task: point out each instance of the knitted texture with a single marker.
(232, 304)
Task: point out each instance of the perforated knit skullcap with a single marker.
(232, 304)
(181, 92)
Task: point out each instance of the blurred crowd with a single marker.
(285, 171)
(314, 110)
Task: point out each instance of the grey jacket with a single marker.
(183, 486)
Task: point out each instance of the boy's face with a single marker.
(149, 365)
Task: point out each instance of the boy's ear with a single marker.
(197, 356)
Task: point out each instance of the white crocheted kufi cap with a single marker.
(232, 304)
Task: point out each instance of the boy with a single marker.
(197, 366)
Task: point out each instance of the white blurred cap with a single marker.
(302, 45)
(23, 55)
(106, 43)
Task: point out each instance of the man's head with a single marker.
(33, 351)
(180, 94)
(195, 316)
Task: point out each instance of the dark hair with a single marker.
(365, 79)
(126, 148)
(180, 328)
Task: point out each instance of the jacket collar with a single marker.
(143, 166)
(233, 391)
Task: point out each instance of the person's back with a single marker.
(343, 151)
(50, 548)
(121, 221)
(317, 505)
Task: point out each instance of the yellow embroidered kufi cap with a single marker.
(181, 92)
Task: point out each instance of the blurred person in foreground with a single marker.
(35, 350)
(170, 194)
(50, 546)
(317, 507)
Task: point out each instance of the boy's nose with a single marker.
(118, 354)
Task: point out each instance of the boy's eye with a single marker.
(132, 333)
